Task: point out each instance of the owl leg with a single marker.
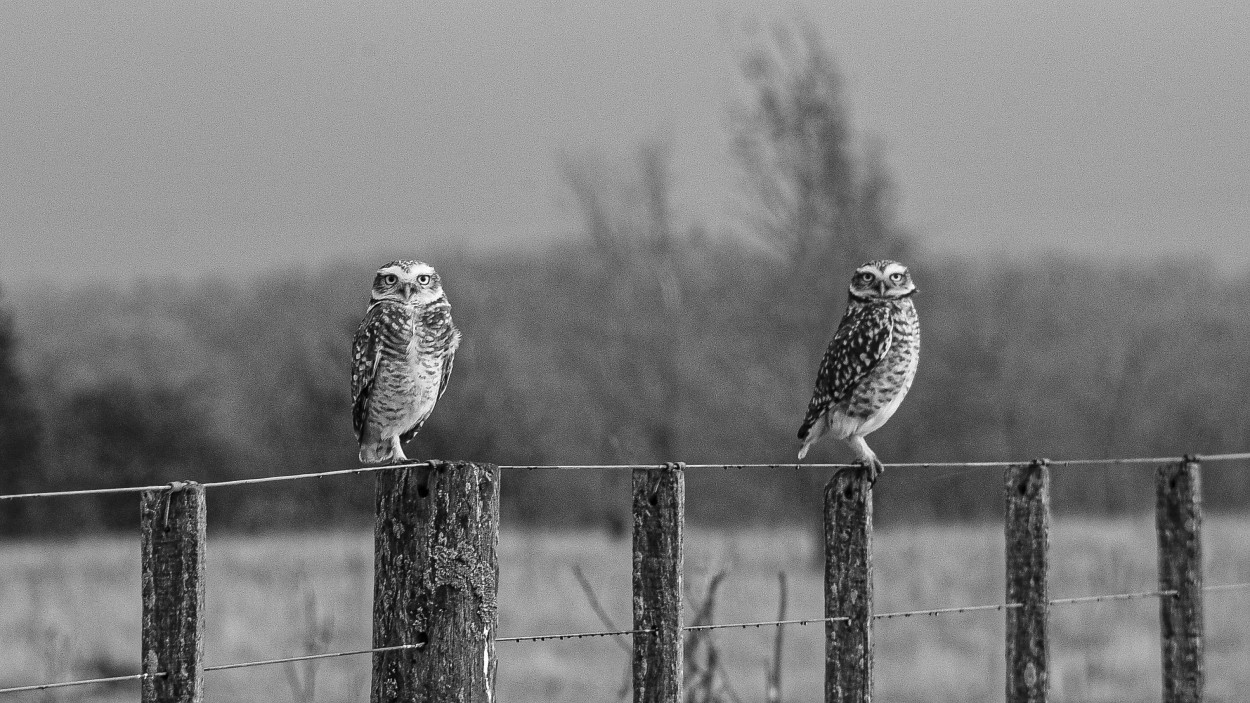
(397, 451)
(866, 456)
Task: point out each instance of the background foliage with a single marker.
(641, 340)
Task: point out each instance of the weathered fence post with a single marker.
(848, 587)
(172, 522)
(1028, 538)
(659, 521)
(436, 574)
(1178, 522)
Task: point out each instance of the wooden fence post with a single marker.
(436, 574)
(1028, 538)
(659, 521)
(172, 522)
(848, 587)
(1178, 522)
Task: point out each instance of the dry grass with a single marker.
(72, 610)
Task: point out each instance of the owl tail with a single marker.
(812, 430)
(379, 453)
(381, 449)
(375, 449)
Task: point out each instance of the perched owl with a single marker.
(401, 359)
(870, 363)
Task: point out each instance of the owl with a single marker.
(870, 363)
(401, 359)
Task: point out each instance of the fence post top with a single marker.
(180, 486)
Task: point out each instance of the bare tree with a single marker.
(642, 257)
(823, 201)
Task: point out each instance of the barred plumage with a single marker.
(402, 356)
(870, 363)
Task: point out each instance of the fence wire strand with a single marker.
(82, 682)
(970, 465)
(306, 657)
(571, 636)
(613, 633)
(762, 623)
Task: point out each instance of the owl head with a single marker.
(883, 279)
(407, 282)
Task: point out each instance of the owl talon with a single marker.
(875, 468)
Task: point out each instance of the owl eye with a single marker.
(424, 279)
(390, 279)
(896, 277)
(863, 278)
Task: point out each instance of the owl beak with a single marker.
(410, 291)
(881, 287)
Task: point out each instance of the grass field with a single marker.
(71, 610)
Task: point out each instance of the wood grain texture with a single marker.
(1027, 490)
(848, 587)
(659, 521)
(172, 531)
(1178, 523)
(436, 576)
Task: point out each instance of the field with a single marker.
(71, 610)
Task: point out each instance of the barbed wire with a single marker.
(944, 611)
(762, 623)
(614, 633)
(1057, 601)
(306, 657)
(571, 636)
(972, 465)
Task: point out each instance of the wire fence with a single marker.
(1228, 587)
(932, 612)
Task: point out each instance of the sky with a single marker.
(230, 137)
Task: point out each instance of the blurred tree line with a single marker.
(641, 341)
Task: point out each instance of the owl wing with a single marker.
(448, 361)
(379, 330)
(861, 341)
(365, 357)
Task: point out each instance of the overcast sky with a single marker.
(231, 136)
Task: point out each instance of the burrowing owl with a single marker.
(401, 358)
(870, 363)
